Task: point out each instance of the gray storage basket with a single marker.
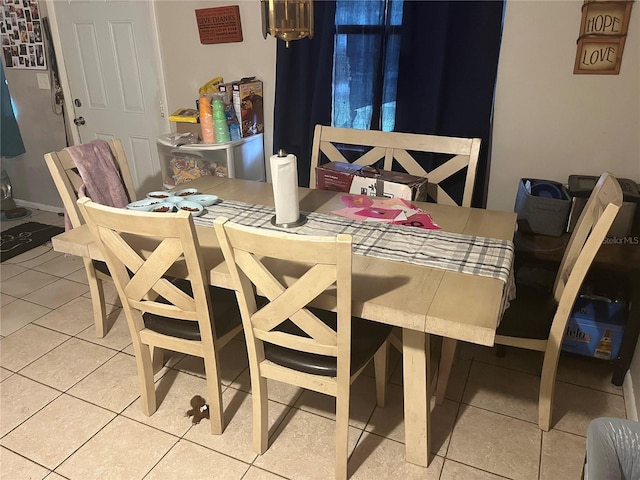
(542, 215)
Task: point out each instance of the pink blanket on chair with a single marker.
(98, 170)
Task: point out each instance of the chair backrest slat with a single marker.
(396, 147)
(590, 230)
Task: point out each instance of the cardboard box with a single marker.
(248, 103)
(358, 179)
(595, 328)
(542, 206)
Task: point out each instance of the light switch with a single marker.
(43, 81)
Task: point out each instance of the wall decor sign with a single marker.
(21, 34)
(219, 24)
(603, 31)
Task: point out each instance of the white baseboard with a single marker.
(629, 397)
(38, 206)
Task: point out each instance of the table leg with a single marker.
(417, 414)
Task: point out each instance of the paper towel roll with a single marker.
(284, 175)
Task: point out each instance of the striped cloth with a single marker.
(456, 252)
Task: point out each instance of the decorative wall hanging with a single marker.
(22, 36)
(219, 24)
(603, 31)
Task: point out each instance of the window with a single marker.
(365, 71)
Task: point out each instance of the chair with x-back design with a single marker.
(400, 152)
(146, 254)
(287, 339)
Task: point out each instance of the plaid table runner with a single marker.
(456, 252)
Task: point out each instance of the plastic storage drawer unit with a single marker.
(181, 163)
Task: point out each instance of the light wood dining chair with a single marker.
(68, 181)
(398, 152)
(290, 341)
(538, 317)
(146, 254)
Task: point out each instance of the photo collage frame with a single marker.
(22, 35)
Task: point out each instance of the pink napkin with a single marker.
(420, 220)
(390, 210)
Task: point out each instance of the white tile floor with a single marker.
(69, 404)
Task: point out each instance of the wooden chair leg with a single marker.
(447, 356)
(547, 386)
(216, 410)
(381, 367)
(260, 401)
(146, 380)
(97, 299)
(342, 434)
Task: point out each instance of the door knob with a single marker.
(79, 121)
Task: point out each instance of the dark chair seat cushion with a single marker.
(101, 267)
(366, 339)
(226, 315)
(530, 315)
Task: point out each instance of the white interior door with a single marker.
(110, 57)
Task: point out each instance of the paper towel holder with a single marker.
(302, 219)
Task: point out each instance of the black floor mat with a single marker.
(24, 237)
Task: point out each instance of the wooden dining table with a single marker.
(421, 300)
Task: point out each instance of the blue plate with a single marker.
(163, 207)
(204, 200)
(185, 192)
(159, 195)
(143, 205)
(194, 208)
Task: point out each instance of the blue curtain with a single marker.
(447, 74)
(303, 88)
(11, 144)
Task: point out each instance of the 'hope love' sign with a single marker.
(603, 31)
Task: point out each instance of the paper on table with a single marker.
(284, 176)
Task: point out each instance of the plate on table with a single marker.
(195, 208)
(143, 205)
(204, 200)
(185, 192)
(163, 207)
(174, 199)
(161, 195)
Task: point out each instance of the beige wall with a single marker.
(550, 123)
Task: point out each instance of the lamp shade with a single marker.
(287, 19)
